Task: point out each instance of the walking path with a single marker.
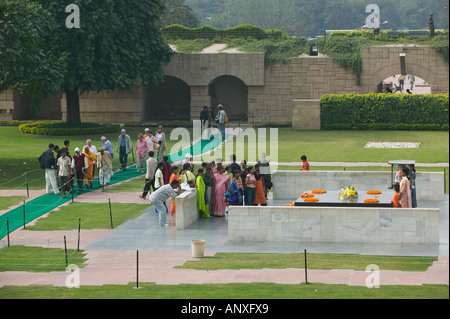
(111, 256)
(111, 253)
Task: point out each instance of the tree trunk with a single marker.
(73, 106)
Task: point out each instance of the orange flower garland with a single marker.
(371, 200)
(306, 195)
(311, 199)
(318, 191)
(373, 192)
(290, 205)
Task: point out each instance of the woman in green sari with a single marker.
(202, 202)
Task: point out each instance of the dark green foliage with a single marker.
(246, 31)
(385, 111)
(57, 128)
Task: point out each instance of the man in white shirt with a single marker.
(159, 177)
(64, 171)
(159, 197)
(150, 176)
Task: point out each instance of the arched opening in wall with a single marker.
(410, 84)
(232, 93)
(168, 101)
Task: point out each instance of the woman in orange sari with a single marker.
(88, 173)
(260, 197)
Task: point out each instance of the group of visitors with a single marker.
(405, 188)
(218, 186)
(145, 143)
(209, 119)
(62, 170)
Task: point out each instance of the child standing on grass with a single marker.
(305, 166)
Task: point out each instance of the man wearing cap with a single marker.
(79, 164)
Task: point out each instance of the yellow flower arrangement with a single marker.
(348, 192)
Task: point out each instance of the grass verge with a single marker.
(314, 261)
(227, 291)
(93, 216)
(37, 259)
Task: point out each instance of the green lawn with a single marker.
(8, 201)
(226, 291)
(37, 259)
(314, 261)
(93, 216)
(319, 146)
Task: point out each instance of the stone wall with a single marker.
(109, 106)
(6, 106)
(334, 224)
(274, 90)
(291, 184)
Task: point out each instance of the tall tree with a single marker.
(117, 43)
(26, 63)
(177, 12)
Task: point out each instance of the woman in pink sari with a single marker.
(405, 191)
(221, 184)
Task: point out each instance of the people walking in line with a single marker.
(88, 173)
(47, 163)
(161, 139)
(64, 172)
(124, 147)
(150, 175)
(104, 165)
(141, 151)
(79, 164)
(107, 146)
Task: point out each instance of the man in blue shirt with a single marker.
(107, 146)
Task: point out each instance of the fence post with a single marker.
(79, 228)
(306, 269)
(24, 215)
(26, 181)
(137, 271)
(7, 230)
(65, 251)
(110, 212)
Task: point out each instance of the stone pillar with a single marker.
(306, 115)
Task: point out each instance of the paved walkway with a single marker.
(111, 253)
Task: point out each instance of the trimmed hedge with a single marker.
(177, 31)
(380, 111)
(58, 128)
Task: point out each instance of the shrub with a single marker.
(385, 111)
(58, 128)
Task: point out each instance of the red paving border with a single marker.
(119, 267)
